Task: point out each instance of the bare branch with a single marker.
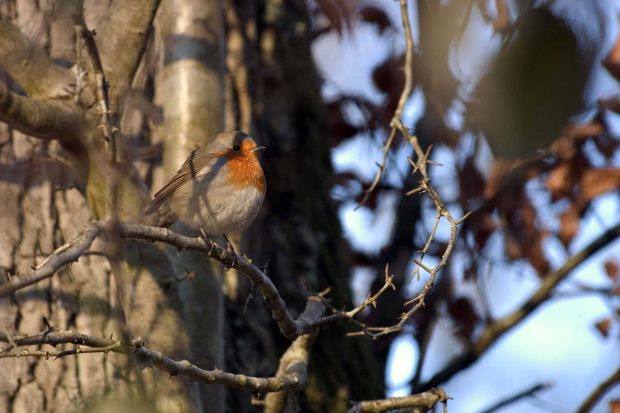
(293, 377)
(516, 397)
(597, 393)
(371, 300)
(147, 357)
(64, 255)
(425, 401)
(44, 119)
(293, 362)
(70, 252)
(55, 338)
(30, 66)
(497, 328)
(87, 38)
(289, 328)
(401, 101)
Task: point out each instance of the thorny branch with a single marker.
(419, 166)
(73, 250)
(422, 401)
(293, 377)
(401, 101)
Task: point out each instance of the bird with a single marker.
(219, 189)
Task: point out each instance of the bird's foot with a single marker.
(207, 239)
(231, 248)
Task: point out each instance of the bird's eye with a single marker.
(236, 148)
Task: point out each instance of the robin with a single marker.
(219, 189)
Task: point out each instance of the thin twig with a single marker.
(422, 401)
(598, 392)
(401, 101)
(62, 256)
(529, 392)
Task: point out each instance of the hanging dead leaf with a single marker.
(603, 326)
(612, 269)
(463, 313)
(389, 78)
(607, 145)
(471, 182)
(559, 182)
(534, 252)
(512, 247)
(482, 225)
(340, 127)
(595, 182)
(337, 12)
(611, 103)
(569, 224)
(614, 406)
(376, 16)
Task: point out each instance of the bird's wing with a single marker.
(166, 192)
(190, 169)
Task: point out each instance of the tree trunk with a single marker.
(298, 236)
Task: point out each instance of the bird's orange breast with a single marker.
(245, 170)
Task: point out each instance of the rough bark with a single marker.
(49, 193)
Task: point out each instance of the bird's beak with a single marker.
(259, 148)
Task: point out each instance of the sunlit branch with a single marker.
(30, 66)
(401, 101)
(293, 364)
(70, 252)
(43, 119)
(62, 256)
(289, 327)
(423, 402)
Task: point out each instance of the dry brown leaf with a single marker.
(569, 224)
(559, 182)
(614, 406)
(612, 269)
(376, 16)
(611, 103)
(603, 326)
(336, 11)
(595, 182)
(464, 314)
(512, 247)
(536, 257)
